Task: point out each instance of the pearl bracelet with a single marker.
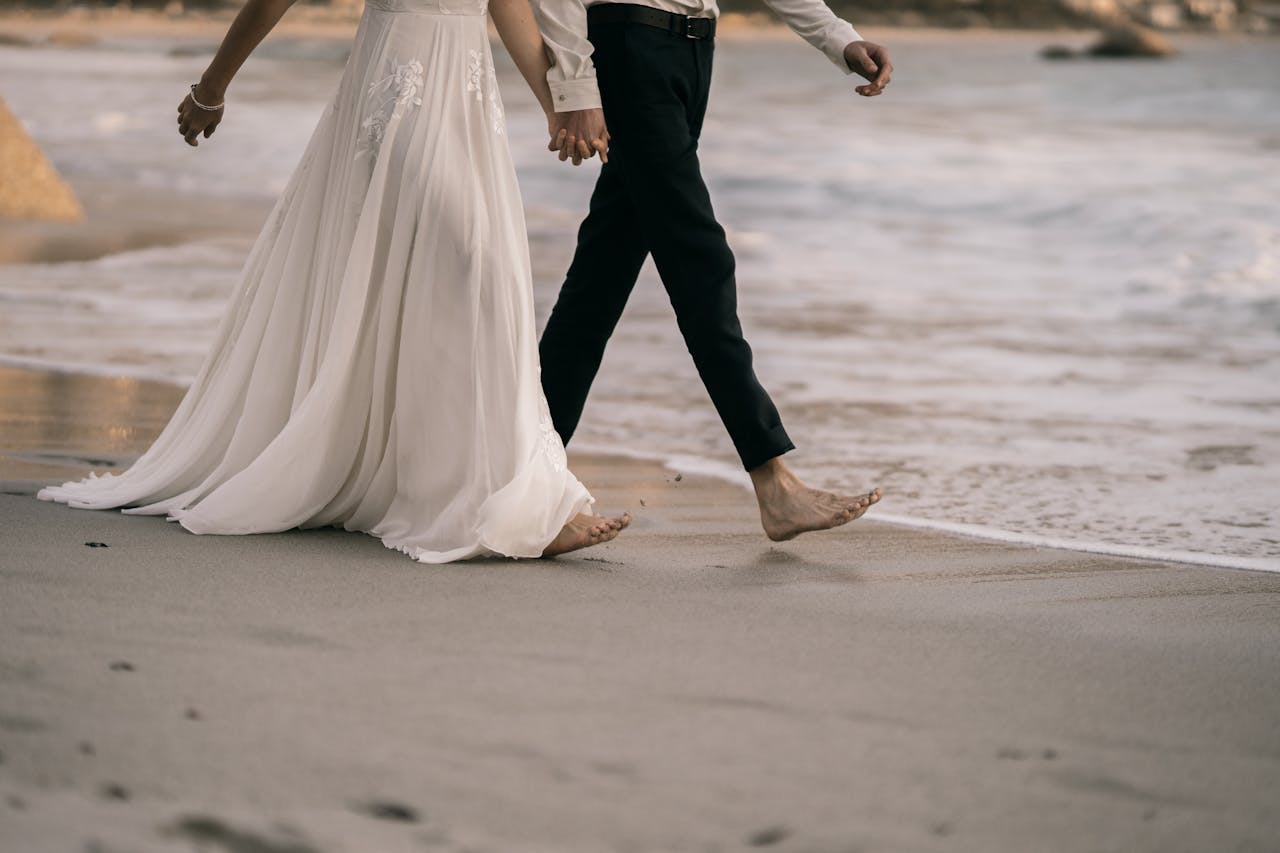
(202, 106)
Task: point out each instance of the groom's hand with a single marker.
(579, 135)
(872, 62)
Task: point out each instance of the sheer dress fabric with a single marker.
(377, 366)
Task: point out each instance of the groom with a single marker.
(647, 69)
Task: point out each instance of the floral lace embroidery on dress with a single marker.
(482, 80)
(397, 91)
(549, 440)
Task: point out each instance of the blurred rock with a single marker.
(910, 19)
(14, 40)
(206, 49)
(967, 19)
(1058, 51)
(1165, 16)
(1256, 24)
(1094, 9)
(71, 38)
(30, 188)
(1131, 41)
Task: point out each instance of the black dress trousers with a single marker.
(650, 198)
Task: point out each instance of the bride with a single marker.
(377, 367)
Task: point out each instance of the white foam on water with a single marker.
(699, 466)
(979, 531)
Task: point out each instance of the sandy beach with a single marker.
(690, 687)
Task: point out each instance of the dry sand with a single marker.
(690, 687)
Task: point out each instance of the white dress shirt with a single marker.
(573, 77)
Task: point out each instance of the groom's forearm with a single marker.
(572, 76)
(814, 22)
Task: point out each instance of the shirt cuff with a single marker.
(839, 37)
(579, 94)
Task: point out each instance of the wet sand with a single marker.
(690, 687)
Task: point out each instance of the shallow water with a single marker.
(1042, 299)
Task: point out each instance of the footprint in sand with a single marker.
(210, 831)
(389, 810)
(769, 836)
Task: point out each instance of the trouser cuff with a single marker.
(768, 445)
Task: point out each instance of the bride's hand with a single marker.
(579, 135)
(194, 120)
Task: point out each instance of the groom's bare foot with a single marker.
(788, 507)
(586, 530)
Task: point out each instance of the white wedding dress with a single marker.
(377, 368)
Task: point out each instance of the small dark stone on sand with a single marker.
(114, 791)
(642, 503)
(85, 748)
(1049, 754)
(121, 666)
(212, 833)
(1058, 51)
(679, 477)
(942, 829)
(15, 802)
(769, 835)
(96, 545)
(388, 810)
(193, 714)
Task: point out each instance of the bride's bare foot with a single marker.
(586, 530)
(788, 507)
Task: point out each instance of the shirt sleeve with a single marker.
(572, 76)
(814, 22)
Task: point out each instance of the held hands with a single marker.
(578, 135)
(872, 62)
(194, 120)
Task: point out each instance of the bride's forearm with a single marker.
(256, 19)
(519, 32)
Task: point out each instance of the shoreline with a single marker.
(687, 687)
(159, 391)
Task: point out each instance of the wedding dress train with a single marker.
(377, 367)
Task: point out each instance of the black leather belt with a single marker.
(678, 25)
